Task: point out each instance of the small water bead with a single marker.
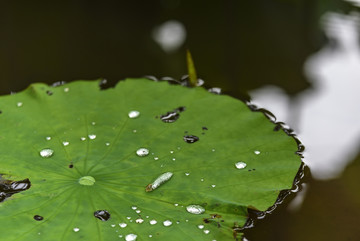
(153, 222)
(174, 159)
(167, 223)
(134, 131)
(187, 174)
(177, 222)
(46, 152)
(191, 138)
(202, 179)
(128, 218)
(133, 207)
(176, 204)
(48, 138)
(93, 123)
(213, 185)
(257, 152)
(150, 236)
(206, 231)
(200, 226)
(130, 237)
(156, 158)
(38, 217)
(240, 165)
(107, 144)
(65, 143)
(66, 89)
(87, 180)
(120, 236)
(139, 220)
(215, 90)
(76, 230)
(103, 215)
(195, 209)
(112, 225)
(142, 152)
(122, 225)
(19, 104)
(83, 138)
(138, 211)
(171, 152)
(133, 114)
(92, 136)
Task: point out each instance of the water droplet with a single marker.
(170, 117)
(139, 220)
(122, 225)
(150, 236)
(134, 131)
(92, 136)
(38, 217)
(48, 138)
(107, 143)
(19, 104)
(191, 138)
(174, 159)
(167, 223)
(257, 152)
(206, 231)
(93, 123)
(171, 152)
(133, 114)
(142, 152)
(113, 225)
(200, 226)
(153, 222)
(76, 230)
(195, 209)
(103, 215)
(82, 138)
(138, 211)
(65, 143)
(187, 174)
(128, 217)
(130, 237)
(240, 165)
(213, 185)
(87, 180)
(160, 180)
(176, 204)
(66, 89)
(215, 90)
(46, 152)
(156, 158)
(120, 236)
(178, 147)
(202, 179)
(213, 150)
(177, 222)
(133, 207)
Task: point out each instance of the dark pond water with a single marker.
(299, 59)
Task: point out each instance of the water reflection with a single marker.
(326, 117)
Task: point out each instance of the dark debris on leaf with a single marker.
(191, 138)
(38, 218)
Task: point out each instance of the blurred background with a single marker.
(298, 58)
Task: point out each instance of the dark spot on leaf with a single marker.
(191, 138)
(9, 188)
(180, 109)
(185, 132)
(204, 128)
(206, 220)
(38, 218)
(71, 166)
(0, 111)
(103, 215)
(48, 92)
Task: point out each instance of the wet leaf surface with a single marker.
(91, 154)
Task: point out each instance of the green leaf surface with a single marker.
(94, 165)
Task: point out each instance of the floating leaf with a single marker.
(94, 187)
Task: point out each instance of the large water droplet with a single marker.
(139, 220)
(122, 225)
(195, 209)
(153, 222)
(87, 180)
(130, 237)
(142, 152)
(191, 138)
(133, 114)
(167, 223)
(103, 215)
(46, 152)
(240, 165)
